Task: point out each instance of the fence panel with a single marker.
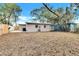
(3, 29)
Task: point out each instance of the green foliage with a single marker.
(8, 11)
(64, 15)
(42, 14)
(59, 15)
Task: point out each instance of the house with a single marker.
(74, 25)
(35, 27)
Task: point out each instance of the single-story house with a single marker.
(74, 25)
(35, 27)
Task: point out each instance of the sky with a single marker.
(28, 7)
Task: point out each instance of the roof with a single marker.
(74, 21)
(35, 23)
(22, 24)
(38, 23)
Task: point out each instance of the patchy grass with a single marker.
(39, 43)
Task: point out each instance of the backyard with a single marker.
(39, 43)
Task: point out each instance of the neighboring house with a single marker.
(74, 25)
(35, 27)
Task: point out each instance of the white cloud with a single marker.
(23, 19)
(75, 21)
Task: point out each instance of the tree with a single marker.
(50, 9)
(43, 15)
(59, 15)
(9, 11)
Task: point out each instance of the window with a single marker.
(44, 26)
(36, 26)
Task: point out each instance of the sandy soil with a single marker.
(39, 44)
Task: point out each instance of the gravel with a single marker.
(39, 44)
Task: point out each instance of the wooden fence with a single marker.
(3, 29)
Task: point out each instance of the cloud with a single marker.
(23, 19)
(75, 21)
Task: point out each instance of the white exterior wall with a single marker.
(21, 28)
(72, 28)
(48, 28)
(32, 28)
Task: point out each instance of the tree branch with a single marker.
(50, 10)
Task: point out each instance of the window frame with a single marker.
(36, 26)
(44, 26)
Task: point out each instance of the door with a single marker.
(39, 30)
(24, 29)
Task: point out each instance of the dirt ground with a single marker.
(39, 44)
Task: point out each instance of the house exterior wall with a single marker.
(32, 28)
(72, 28)
(77, 27)
(48, 28)
(21, 27)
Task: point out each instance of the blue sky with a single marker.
(28, 7)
